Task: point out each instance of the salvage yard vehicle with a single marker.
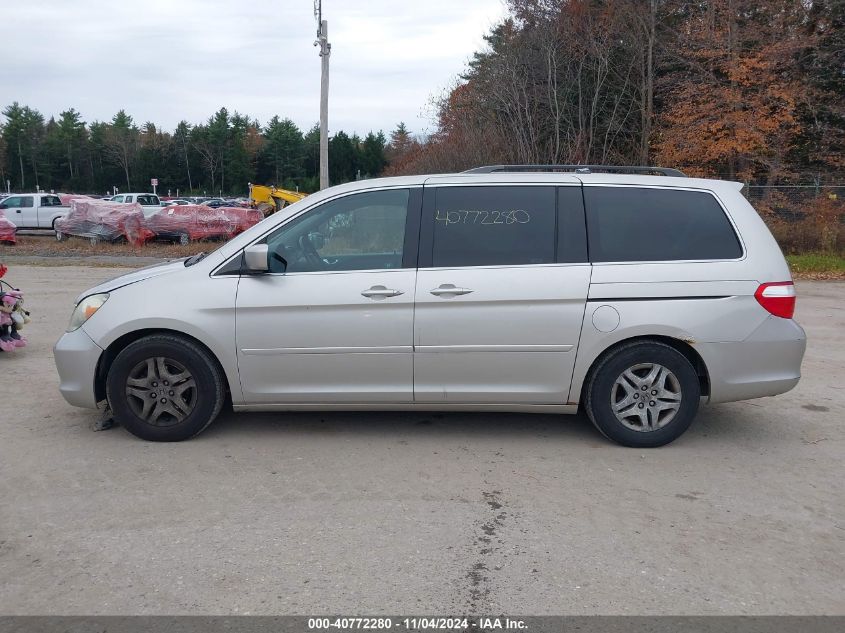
(150, 202)
(217, 203)
(633, 293)
(103, 221)
(272, 198)
(187, 223)
(33, 210)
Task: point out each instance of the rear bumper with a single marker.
(767, 363)
(76, 358)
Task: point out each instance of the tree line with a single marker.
(743, 89)
(219, 156)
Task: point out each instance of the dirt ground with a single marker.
(397, 513)
(42, 244)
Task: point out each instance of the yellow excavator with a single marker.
(270, 199)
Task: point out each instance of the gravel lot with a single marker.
(420, 513)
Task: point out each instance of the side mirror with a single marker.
(255, 259)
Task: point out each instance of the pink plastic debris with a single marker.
(67, 197)
(244, 217)
(7, 229)
(198, 222)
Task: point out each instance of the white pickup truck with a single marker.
(33, 210)
(149, 202)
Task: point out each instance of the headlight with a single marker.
(85, 309)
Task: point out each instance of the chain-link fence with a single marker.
(802, 217)
(794, 202)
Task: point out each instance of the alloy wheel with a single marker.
(646, 397)
(161, 391)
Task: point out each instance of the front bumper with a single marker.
(767, 363)
(76, 358)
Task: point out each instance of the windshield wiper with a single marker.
(194, 259)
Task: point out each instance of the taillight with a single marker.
(778, 298)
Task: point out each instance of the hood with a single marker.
(156, 270)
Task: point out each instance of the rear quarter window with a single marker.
(635, 224)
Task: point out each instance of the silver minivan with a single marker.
(633, 293)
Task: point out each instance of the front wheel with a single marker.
(643, 395)
(60, 237)
(165, 388)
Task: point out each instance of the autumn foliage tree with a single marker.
(749, 89)
(730, 105)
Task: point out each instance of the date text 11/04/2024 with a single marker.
(416, 624)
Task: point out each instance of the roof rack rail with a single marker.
(578, 169)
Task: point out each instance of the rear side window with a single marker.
(630, 224)
(17, 201)
(489, 226)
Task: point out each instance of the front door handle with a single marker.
(381, 292)
(449, 290)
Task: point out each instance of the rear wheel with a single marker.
(165, 388)
(184, 239)
(60, 237)
(643, 395)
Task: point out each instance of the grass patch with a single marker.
(817, 265)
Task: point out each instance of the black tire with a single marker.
(206, 396)
(184, 239)
(600, 390)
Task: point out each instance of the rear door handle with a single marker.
(449, 290)
(381, 292)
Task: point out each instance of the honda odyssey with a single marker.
(635, 294)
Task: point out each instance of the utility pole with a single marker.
(325, 52)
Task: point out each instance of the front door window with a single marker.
(364, 231)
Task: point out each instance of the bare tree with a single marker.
(121, 143)
(209, 154)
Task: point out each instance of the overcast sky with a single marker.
(164, 60)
